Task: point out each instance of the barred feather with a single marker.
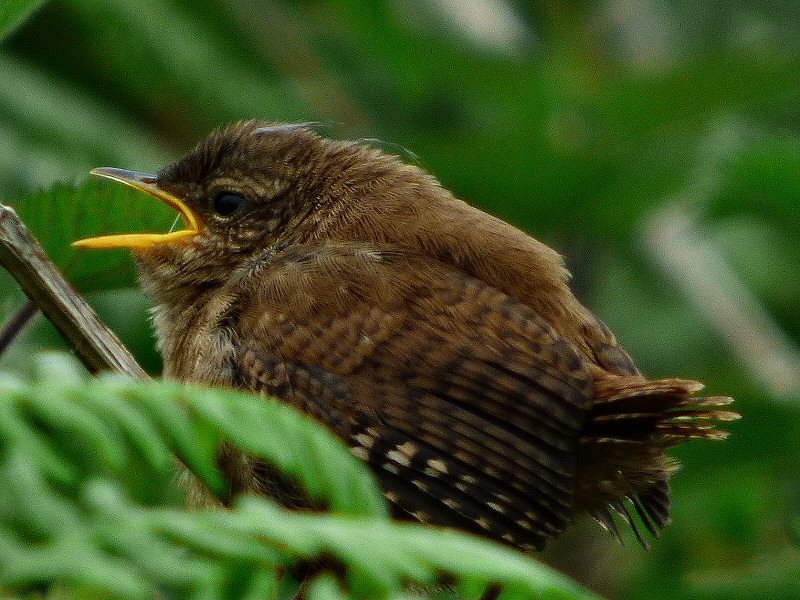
(631, 423)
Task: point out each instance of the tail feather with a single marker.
(644, 514)
(622, 460)
(603, 516)
(650, 517)
(655, 503)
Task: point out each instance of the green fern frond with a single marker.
(91, 506)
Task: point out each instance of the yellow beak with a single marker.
(145, 183)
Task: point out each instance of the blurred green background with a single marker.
(655, 144)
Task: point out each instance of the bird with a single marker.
(441, 344)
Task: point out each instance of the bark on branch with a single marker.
(94, 343)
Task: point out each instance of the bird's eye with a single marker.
(227, 203)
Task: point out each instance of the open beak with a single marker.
(145, 183)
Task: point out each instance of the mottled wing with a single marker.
(465, 404)
(606, 350)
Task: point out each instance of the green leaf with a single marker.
(14, 13)
(763, 179)
(381, 554)
(59, 216)
(290, 441)
(325, 587)
(206, 80)
(115, 528)
(55, 120)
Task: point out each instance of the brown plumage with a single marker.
(440, 343)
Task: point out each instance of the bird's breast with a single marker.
(198, 341)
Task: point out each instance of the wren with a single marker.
(441, 344)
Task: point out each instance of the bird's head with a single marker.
(248, 189)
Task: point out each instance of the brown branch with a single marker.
(94, 343)
(16, 324)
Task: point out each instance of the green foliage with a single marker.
(14, 12)
(91, 506)
(82, 211)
